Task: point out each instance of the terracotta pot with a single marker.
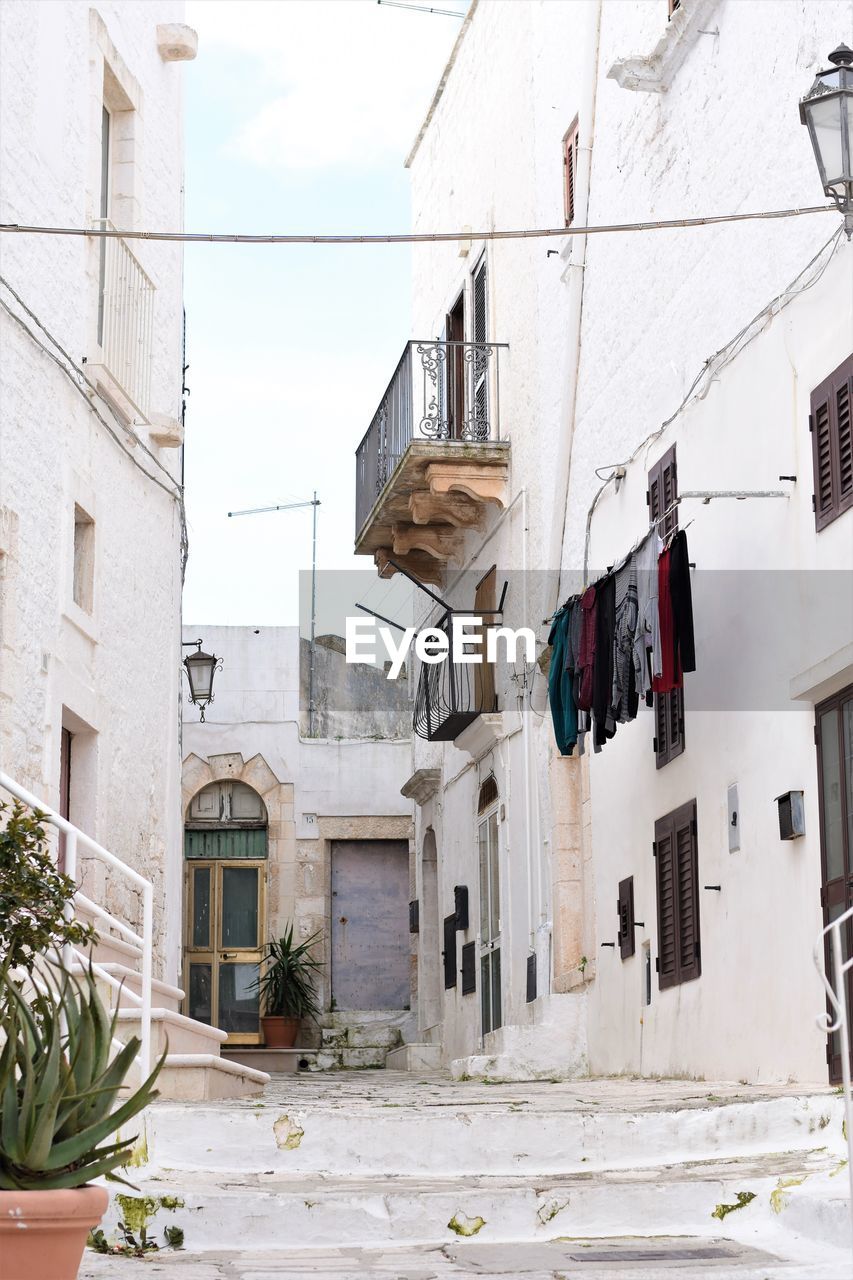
(280, 1033)
(43, 1233)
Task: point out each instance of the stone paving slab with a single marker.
(351, 1090)
(603, 1259)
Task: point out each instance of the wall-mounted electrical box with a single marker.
(792, 817)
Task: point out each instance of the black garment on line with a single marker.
(682, 602)
(602, 690)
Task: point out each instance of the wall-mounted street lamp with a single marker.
(827, 112)
(200, 671)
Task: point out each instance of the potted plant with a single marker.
(286, 986)
(62, 1104)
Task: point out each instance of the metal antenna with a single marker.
(292, 506)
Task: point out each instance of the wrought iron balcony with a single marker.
(437, 430)
(451, 695)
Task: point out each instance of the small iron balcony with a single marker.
(432, 456)
(451, 695)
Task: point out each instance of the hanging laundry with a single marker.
(586, 653)
(604, 723)
(624, 699)
(670, 673)
(647, 656)
(682, 602)
(560, 692)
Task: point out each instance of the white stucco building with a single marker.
(284, 828)
(91, 521)
(596, 113)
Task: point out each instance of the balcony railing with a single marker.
(126, 319)
(441, 391)
(451, 695)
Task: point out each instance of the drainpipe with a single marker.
(573, 276)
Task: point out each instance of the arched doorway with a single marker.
(225, 852)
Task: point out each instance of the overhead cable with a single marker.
(411, 237)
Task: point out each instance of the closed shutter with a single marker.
(460, 898)
(625, 908)
(414, 916)
(570, 166)
(676, 855)
(469, 968)
(661, 496)
(531, 977)
(449, 952)
(831, 425)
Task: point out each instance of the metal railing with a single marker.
(126, 319)
(833, 966)
(445, 391)
(451, 695)
(141, 940)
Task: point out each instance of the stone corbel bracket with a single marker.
(442, 541)
(421, 786)
(655, 71)
(453, 508)
(422, 566)
(484, 482)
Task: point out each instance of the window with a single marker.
(831, 425)
(662, 499)
(477, 425)
(485, 604)
(677, 859)
(834, 739)
(83, 577)
(570, 167)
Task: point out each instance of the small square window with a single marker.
(83, 582)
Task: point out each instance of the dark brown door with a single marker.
(834, 735)
(64, 789)
(456, 369)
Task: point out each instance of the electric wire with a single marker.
(411, 237)
(717, 362)
(174, 490)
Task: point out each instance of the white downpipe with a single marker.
(575, 273)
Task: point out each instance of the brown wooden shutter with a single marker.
(469, 968)
(449, 952)
(831, 425)
(669, 707)
(625, 908)
(676, 850)
(570, 165)
(485, 602)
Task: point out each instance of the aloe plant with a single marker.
(60, 1083)
(286, 984)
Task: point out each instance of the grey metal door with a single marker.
(370, 924)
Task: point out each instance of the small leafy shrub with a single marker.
(33, 893)
(60, 1082)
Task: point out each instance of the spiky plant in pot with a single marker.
(286, 986)
(61, 1101)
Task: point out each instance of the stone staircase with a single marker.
(385, 1162)
(354, 1039)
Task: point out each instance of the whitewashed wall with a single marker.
(113, 674)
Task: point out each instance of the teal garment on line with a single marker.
(564, 713)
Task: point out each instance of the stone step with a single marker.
(414, 1057)
(281, 1211)
(368, 1124)
(376, 1035)
(181, 1035)
(205, 1077)
(164, 995)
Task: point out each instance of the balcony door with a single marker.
(456, 369)
(835, 767)
(490, 907)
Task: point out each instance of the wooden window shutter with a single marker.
(662, 493)
(676, 849)
(485, 602)
(469, 968)
(831, 425)
(625, 908)
(449, 952)
(570, 168)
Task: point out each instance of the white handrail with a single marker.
(838, 1021)
(74, 837)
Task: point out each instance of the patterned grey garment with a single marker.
(647, 652)
(624, 636)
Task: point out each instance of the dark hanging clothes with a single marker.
(563, 710)
(682, 602)
(586, 653)
(670, 676)
(624, 699)
(604, 721)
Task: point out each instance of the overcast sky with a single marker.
(299, 115)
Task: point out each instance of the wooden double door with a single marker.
(223, 948)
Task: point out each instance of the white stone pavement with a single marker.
(382, 1174)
